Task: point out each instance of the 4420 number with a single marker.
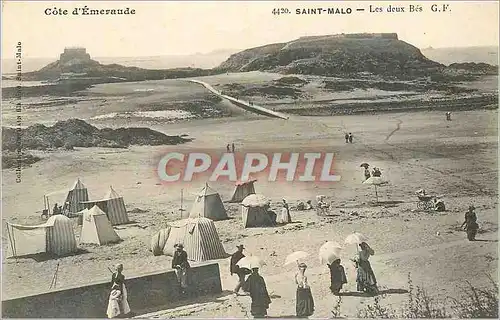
(279, 11)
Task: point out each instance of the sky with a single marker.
(178, 28)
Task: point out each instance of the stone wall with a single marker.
(91, 301)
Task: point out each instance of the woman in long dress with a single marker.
(114, 302)
(337, 277)
(285, 216)
(256, 286)
(470, 223)
(305, 303)
(119, 279)
(365, 278)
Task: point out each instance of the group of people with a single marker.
(375, 171)
(230, 148)
(118, 306)
(255, 285)
(348, 137)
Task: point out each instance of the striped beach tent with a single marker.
(242, 190)
(199, 237)
(254, 211)
(208, 204)
(76, 195)
(113, 205)
(56, 236)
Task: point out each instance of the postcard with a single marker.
(249, 159)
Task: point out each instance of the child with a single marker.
(337, 277)
(114, 302)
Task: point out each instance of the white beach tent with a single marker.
(254, 211)
(242, 190)
(113, 205)
(199, 237)
(208, 204)
(55, 236)
(96, 228)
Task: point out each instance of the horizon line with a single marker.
(238, 50)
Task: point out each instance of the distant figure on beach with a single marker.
(365, 278)
(227, 148)
(181, 265)
(376, 172)
(235, 269)
(256, 286)
(350, 137)
(448, 116)
(367, 173)
(56, 210)
(304, 306)
(120, 297)
(337, 276)
(346, 138)
(470, 224)
(285, 216)
(232, 147)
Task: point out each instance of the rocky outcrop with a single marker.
(336, 55)
(77, 133)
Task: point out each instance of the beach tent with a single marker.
(199, 237)
(96, 228)
(242, 190)
(254, 211)
(55, 236)
(208, 204)
(76, 195)
(113, 205)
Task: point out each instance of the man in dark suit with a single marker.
(234, 269)
(181, 265)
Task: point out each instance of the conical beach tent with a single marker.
(113, 205)
(75, 197)
(208, 204)
(199, 237)
(254, 211)
(96, 228)
(242, 190)
(55, 236)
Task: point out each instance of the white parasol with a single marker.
(295, 257)
(250, 262)
(375, 181)
(329, 252)
(355, 238)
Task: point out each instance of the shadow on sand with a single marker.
(217, 298)
(487, 240)
(41, 257)
(381, 292)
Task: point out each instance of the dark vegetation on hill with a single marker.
(336, 55)
(77, 133)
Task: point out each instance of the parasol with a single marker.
(295, 257)
(329, 252)
(364, 165)
(355, 238)
(250, 262)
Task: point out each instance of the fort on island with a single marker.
(72, 53)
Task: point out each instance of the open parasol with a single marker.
(329, 252)
(250, 262)
(295, 257)
(355, 238)
(364, 165)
